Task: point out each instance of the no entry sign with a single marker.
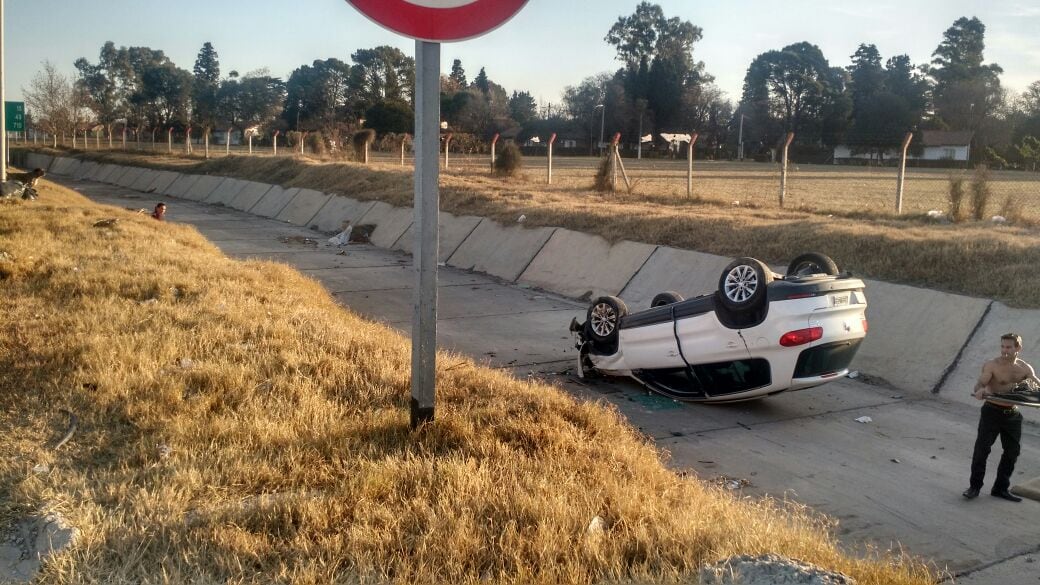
(439, 20)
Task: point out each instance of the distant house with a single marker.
(220, 137)
(938, 146)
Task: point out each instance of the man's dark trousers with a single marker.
(1007, 424)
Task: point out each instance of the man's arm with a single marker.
(1032, 374)
(982, 386)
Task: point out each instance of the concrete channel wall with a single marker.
(921, 341)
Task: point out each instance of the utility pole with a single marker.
(602, 118)
(3, 104)
(740, 139)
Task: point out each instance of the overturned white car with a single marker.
(758, 334)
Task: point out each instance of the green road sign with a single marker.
(15, 116)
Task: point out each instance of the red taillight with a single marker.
(801, 336)
(865, 326)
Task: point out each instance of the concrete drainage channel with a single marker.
(24, 548)
(961, 330)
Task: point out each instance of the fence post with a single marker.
(615, 159)
(494, 142)
(276, 133)
(689, 165)
(205, 139)
(902, 172)
(227, 142)
(783, 168)
(552, 139)
(153, 137)
(404, 139)
(187, 140)
(124, 136)
(169, 140)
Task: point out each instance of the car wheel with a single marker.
(604, 319)
(812, 263)
(666, 298)
(743, 284)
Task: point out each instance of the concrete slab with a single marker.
(985, 345)
(1018, 570)
(144, 180)
(686, 272)
(391, 222)
(1028, 489)
(162, 182)
(907, 490)
(338, 212)
(64, 166)
(86, 170)
(181, 185)
(34, 160)
(583, 266)
(303, 207)
(117, 174)
(226, 192)
(273, 202)
(453, 231)
(131, 175)
(500, 251)
(105, 172)
(362, 256)
(396, 276)
(915, 334)
(249, 196)
(203, 187)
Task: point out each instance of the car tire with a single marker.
(812, 263)
(668, 297)
(604, 319)
(743, 283)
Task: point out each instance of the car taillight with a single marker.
(865, 326)
(801, 336)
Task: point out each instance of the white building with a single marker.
(938, 145)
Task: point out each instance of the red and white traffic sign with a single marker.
(439, 20)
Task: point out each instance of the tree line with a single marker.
(869, 104)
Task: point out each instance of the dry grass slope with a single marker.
(281, 452)
(977, 259)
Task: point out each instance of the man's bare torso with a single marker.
(1007, 374)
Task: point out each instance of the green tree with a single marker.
(51, 98)
(390, 117)
(458, 74)
(382, 73)
(482, 82)
(206, 87)
(522, 107)
(100, 84)
(318, 95)
(965, 91)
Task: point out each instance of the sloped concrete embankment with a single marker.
(921, 341)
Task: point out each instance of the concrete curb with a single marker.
(582, 266)
(202, 188)
(273, 202)
(144, 182)
(340, 210)
(163, 181)
(453, 231)
(303, 207)
(391, 223)
(500, 251)
(180, 186)
(249, 196)
(226, 192)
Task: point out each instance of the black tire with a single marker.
(743, 283)
(668, 297)
(604, 319)
(812, 263)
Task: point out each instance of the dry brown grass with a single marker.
(973, 258)
(281, 452)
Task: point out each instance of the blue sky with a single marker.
(549, 45)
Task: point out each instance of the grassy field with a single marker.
(238, 426)
(973, 258)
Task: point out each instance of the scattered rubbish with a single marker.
(897, 397)
(853, 374)
(299, 240)
(935, 213)
(341, 253)
(736, 203)
(41, 468)
(343, 238)
(149, 301)
(730, 483)
(176, 292)
(769, 568)
(596, 526)
(186, 364)
(265, 386)
(894, 460)
(998, 219)
(106, 223)
(164, 451)
(934, 457)
(521, 219)
(864, 419)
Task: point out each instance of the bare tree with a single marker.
(51, 98)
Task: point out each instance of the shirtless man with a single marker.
(999, 376)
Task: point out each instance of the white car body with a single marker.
(684, 350)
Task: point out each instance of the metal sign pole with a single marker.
(427, 205)
(3, 104)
